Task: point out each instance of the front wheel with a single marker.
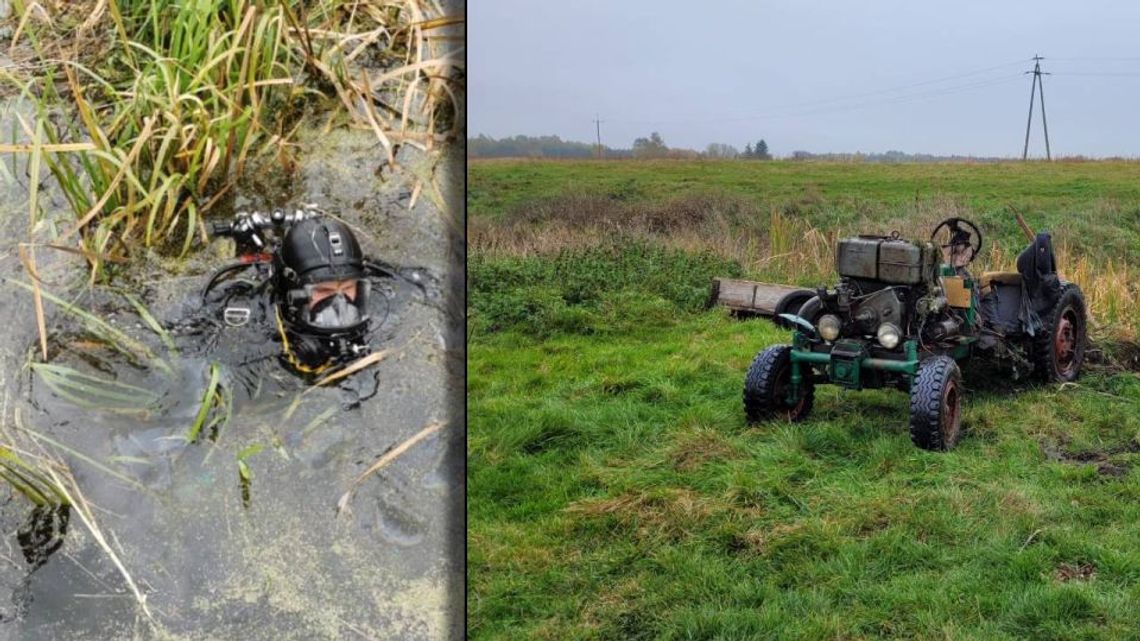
(936, 404)
(769, 383)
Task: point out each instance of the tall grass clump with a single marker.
(763, 242)
(176, 100)
(613, 287)
(1111, 287)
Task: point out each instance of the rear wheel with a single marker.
(936, 404)
(1059, 350)
(768, 383)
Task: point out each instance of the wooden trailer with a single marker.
(753, 298)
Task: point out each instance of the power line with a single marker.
(1094, 59)
(916, 97)
(840, 108)
(922, 83)
(907, 93)
(811, 104)
(1096, 73)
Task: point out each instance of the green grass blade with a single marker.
(209, 397)
(152, 323)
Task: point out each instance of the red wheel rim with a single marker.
(1065, 342)
(782, 387)
(951, 415)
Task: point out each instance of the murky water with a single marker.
(237, 533)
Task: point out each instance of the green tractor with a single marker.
(904, 313)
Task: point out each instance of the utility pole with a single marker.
(598, 126)
(1037, 73)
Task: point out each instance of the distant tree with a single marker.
(721, 150)
(651, 147)
(747, 151)
(761, 152)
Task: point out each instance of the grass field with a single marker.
(1058, 196)
(616, 492)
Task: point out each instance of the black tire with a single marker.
(1059, 350)
(790, 304)
(936, 404)
(766, 387)
(811, 310)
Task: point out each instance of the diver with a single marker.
(301, 283)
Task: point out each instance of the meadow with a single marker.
(615, 490)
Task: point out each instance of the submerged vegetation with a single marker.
(30, 480)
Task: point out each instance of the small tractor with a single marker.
(904, 313)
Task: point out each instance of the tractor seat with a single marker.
(1002, 278)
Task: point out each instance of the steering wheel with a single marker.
(956, 234)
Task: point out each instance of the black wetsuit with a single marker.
(235, 323)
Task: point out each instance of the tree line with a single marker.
(652, 146)
(892, 156)
(757, 152)
(483, 146)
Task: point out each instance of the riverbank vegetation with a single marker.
(148, 113)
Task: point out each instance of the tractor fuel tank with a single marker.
(905, 262)
(889, 260)
(858, 257)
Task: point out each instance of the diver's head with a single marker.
(322, 289)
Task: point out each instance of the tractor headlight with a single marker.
(889, 335)
(829, 327)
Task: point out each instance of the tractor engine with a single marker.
(889, 289)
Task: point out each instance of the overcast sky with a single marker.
(816, 75)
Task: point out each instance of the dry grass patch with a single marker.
(776, 245)
(692, 450)
(758, 541)
(1067, 572)
(671, 513)
(1018, 503)
(769, 241)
